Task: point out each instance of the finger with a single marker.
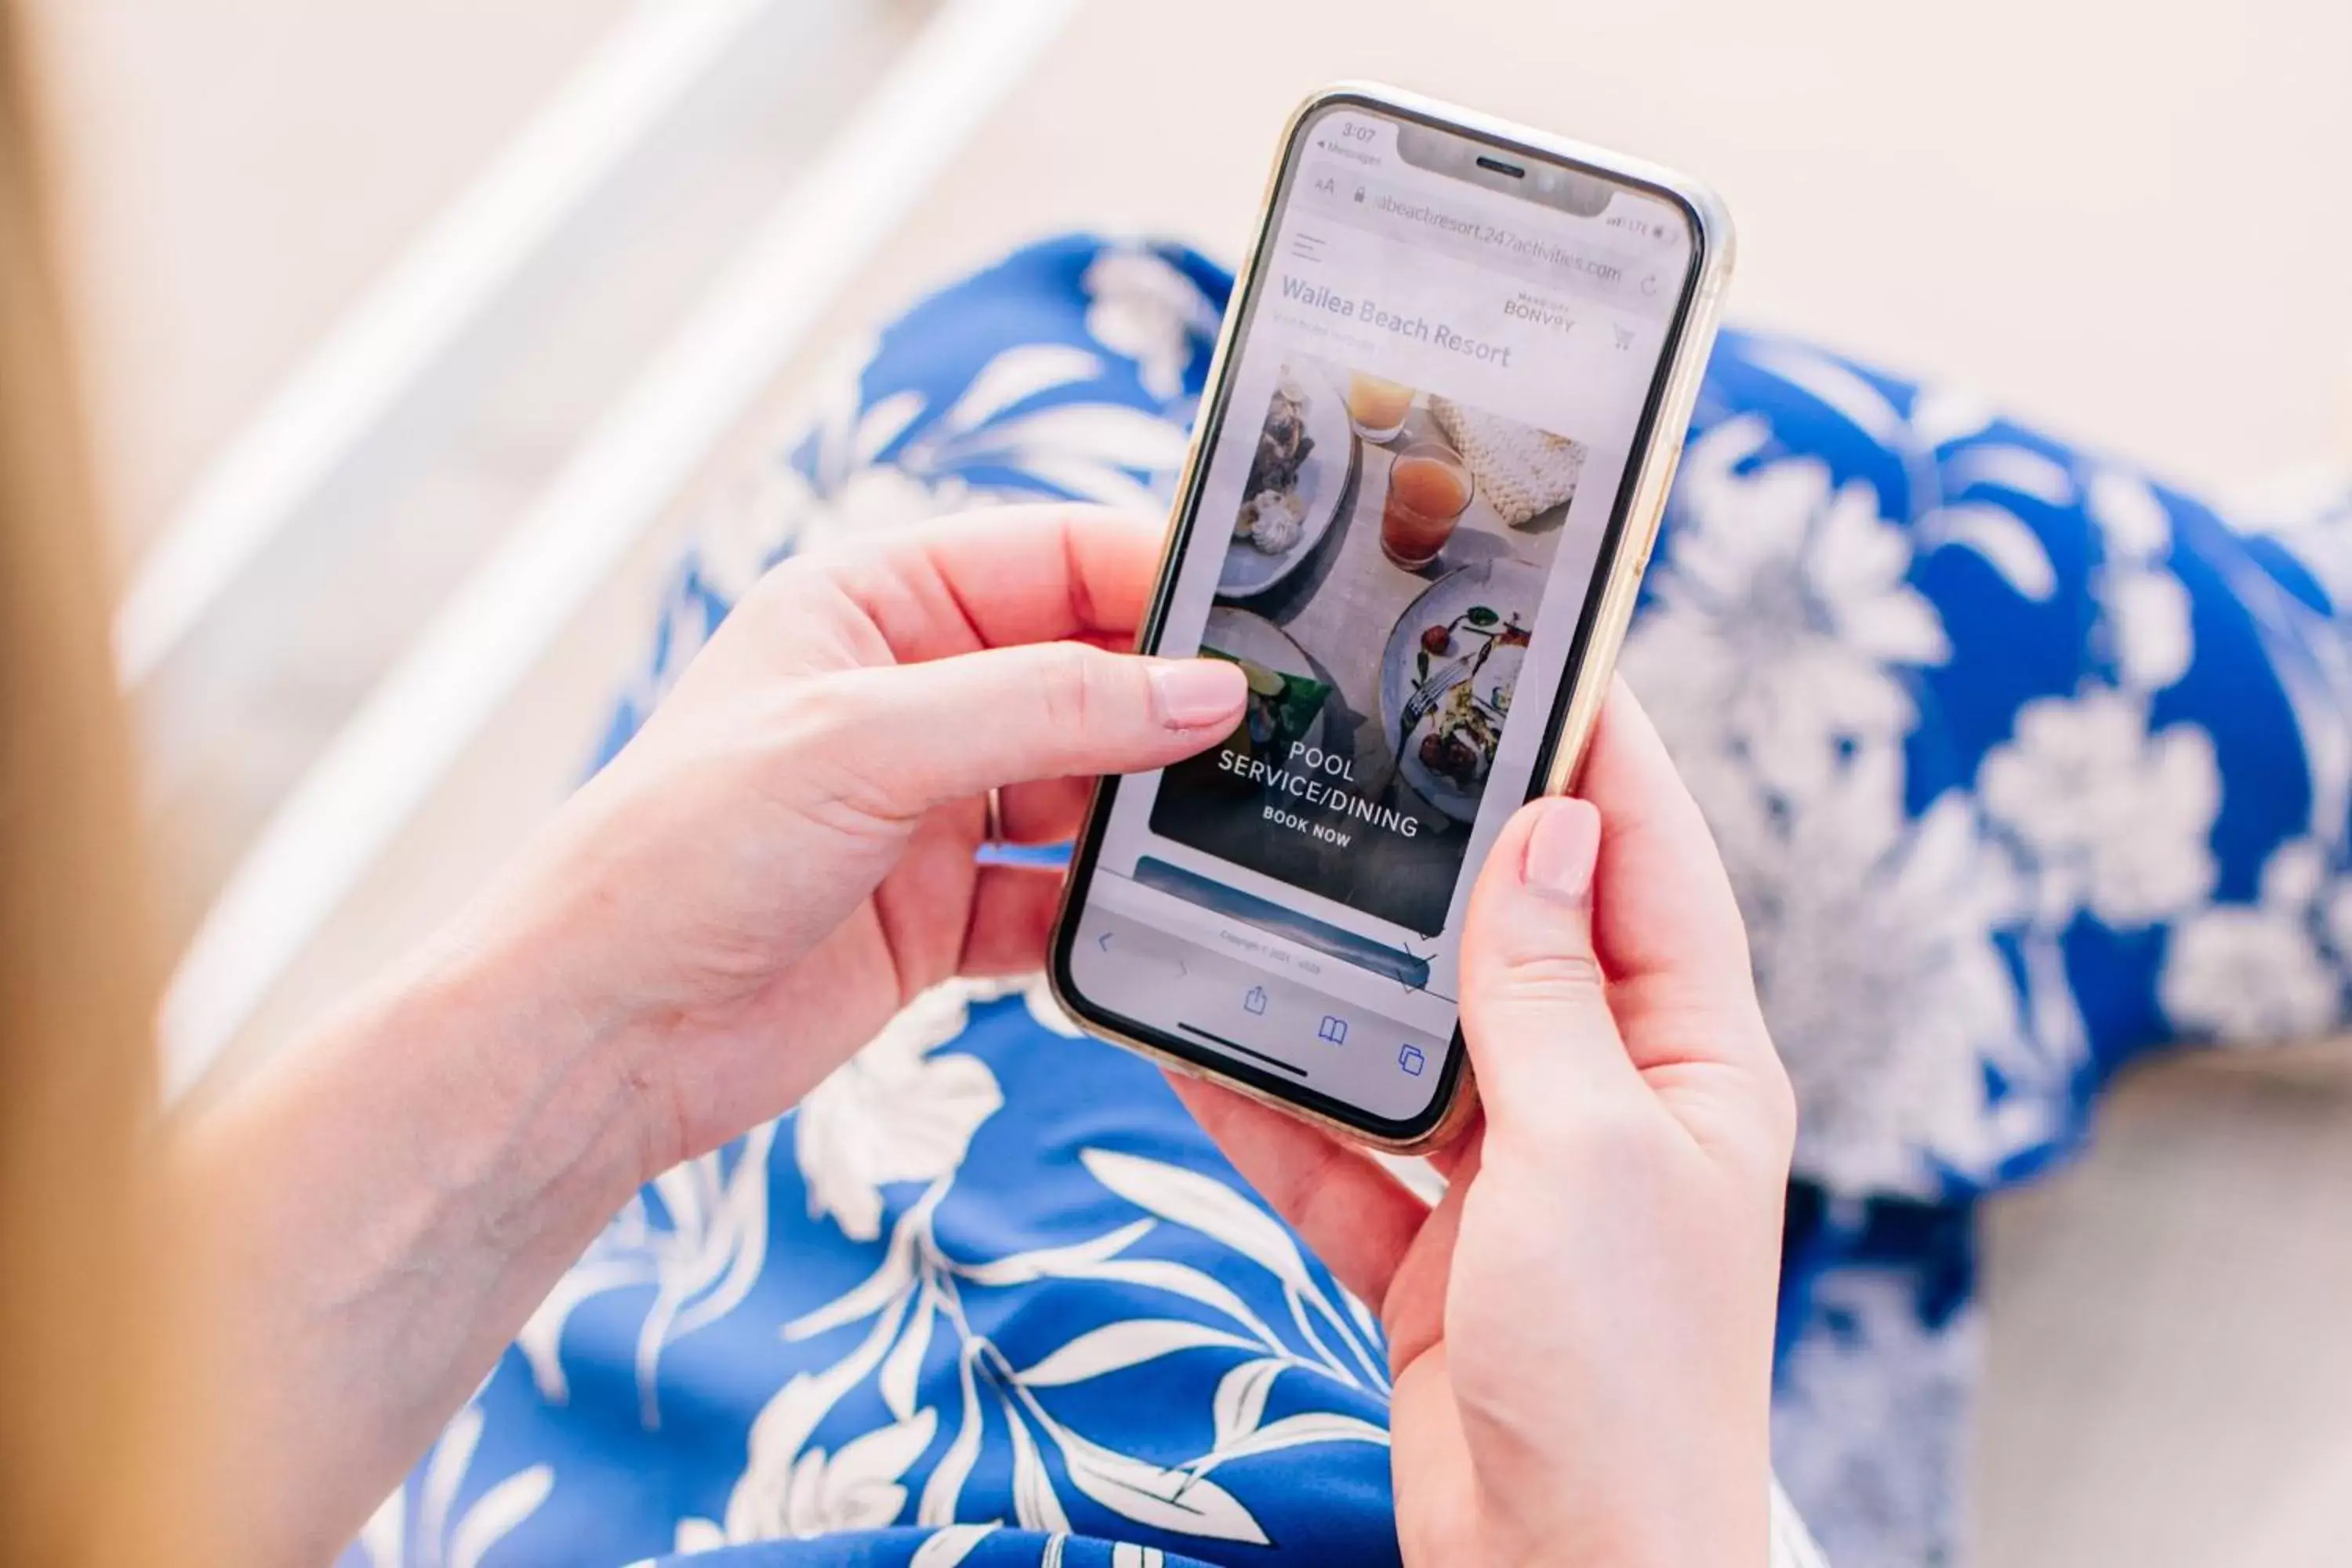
(998, 578)
(897, 741)
(934, 872)
(1043, 811)
(1535, 1008)
(1454, 1161)
(1666, 927)
(1414, 1311)
(1013, 911)
(1357, 1218)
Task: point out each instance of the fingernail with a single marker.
(1195, 692)
(1561, 850)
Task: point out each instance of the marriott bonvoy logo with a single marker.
(1539, 311)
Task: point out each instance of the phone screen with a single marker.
(1416, 467)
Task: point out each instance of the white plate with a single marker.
(1322, 481)
(1507, 587)
(1259, 640)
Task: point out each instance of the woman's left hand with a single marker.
(784, 856)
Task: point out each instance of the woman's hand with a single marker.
(763, 875)
(784, 857)
(1581, 1330)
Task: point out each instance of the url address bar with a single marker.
(1381, 208)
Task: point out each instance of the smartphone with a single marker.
(1429, 465)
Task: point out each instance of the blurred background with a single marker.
(417, 331)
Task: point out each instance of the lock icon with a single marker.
(1254, 1001)
(1360, 192)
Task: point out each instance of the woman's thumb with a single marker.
(949, 728)
(1534, 1003)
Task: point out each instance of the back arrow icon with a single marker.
(1103, 942)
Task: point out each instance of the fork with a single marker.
(1428, 694)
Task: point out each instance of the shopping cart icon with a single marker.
(1624, 337)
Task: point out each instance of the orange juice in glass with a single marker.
(1377, 406)
(1429, 489)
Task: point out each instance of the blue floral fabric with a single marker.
(2074, 753)
(2023, 765)
(987, 1272)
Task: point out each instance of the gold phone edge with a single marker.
(1657, 462)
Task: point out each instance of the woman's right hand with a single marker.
(1581, 1331)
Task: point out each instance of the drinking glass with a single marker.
(1429, 489)
(1377, 406)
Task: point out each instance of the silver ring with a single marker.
(993, 833)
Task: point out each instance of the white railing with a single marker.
(420, 717)
(396, 351)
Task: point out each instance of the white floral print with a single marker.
(702, 1256)
(1873, 936)
(1871, 1419)
(858, 1488)
(445, 1536)
(2148, 634)
(2130, 516)
(894, 1112)
(915, 1296)
(1142, 307)
(2250, 974)
(2271, 971)
(1782, 614)
(2117, 818)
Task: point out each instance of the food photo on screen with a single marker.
(1384, 573)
